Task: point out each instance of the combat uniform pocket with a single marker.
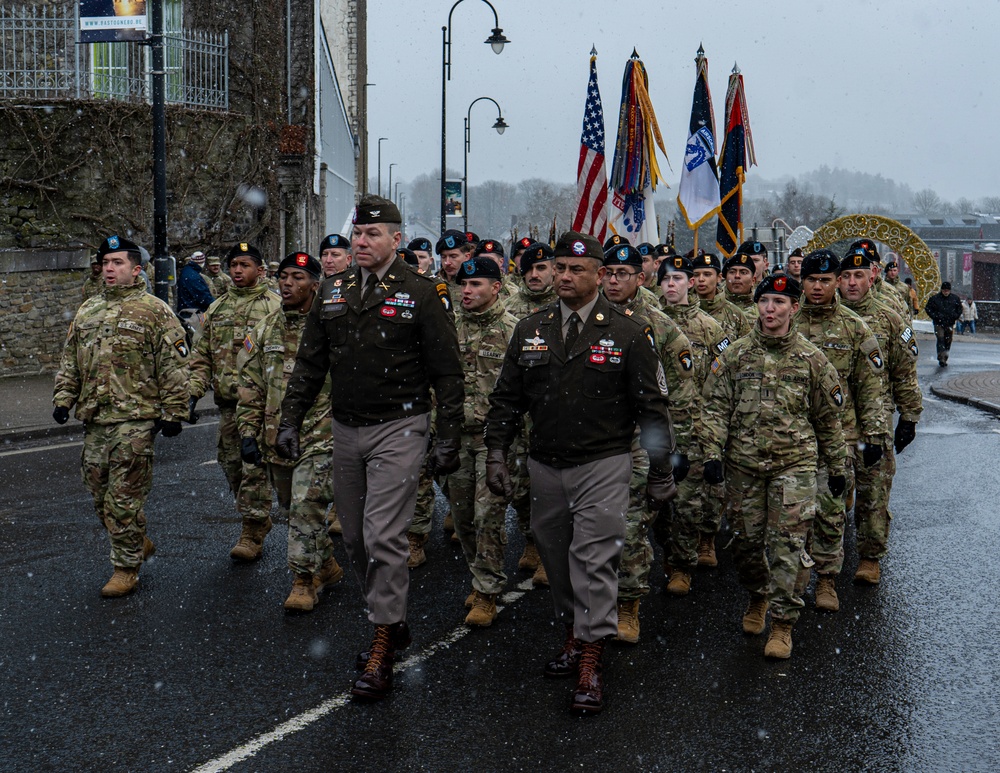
(535, 370)
(334, 319)
(395, 331)
(749, 401)
(601, 379)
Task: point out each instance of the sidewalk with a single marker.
(980, 390)
(26, 410)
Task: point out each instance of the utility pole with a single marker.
(163, 266)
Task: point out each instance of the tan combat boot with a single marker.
(628, 621)
(706, 550)
(250, 545)
(470, 599)
(122, 582)
(417, 555)
(540, 579)
(826, 593)
(754, 617)
(529, 560)
(779, 642)
(449, 523)
(334, 527)
(329, 574)
(303, 596)
(148, 548)
(869, 571)
(679, 582)
(484, 610)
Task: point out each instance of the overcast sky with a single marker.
(905, 88)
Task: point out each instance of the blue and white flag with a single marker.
(698, 194)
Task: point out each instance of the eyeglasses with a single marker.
(620, 276)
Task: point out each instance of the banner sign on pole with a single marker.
(109, 21)
(454, 198)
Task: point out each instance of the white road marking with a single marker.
(306, 718)
(55, 446)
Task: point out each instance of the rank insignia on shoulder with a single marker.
(181, 346)
(837, 395)
(686, 360)
(442, 291)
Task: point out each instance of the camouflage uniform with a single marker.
(904, 293)
(678, 366)
(522, 303)
(852, 349)
(214, 365)
(698, 507)
(772, 404)
(731, 318)
(479, 514)
(305, 486)
(745, 304)
(123, 367)
(900, 391)
(219, 284)
(92, 286)
(888, 294)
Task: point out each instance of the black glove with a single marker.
(168, 428)
(192, 416)
(660, 487)
(872, 454)
(250, 453)
(837, 484)
(713, 472)
(287, 442)
(497, 475)
(905, 432)
(60, 414)
(444, 456)
(681, 465)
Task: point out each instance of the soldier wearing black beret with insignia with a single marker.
(454, 249)
(386, 337)
(712, 298)
(771, 416)
(335, 254)
(739, 272)
(757, 251)
(424, 251)
(585, 373)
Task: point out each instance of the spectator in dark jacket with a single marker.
(192, 289)
(945, 310)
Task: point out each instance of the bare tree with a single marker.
(927, 203)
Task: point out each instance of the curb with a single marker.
(975, 402)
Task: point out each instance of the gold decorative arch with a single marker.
(910, 247)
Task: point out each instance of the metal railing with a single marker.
(41, 59)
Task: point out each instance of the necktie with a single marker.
(369, 286)
(572, 332)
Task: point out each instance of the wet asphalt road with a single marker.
(201, 664)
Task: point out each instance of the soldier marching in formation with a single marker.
(601, 399)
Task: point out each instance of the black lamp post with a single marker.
(380, 141)
(500, 126)
(497, 41)
(389, 188)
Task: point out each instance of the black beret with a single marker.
(471, 238)
(664, 250)
(116, 244)
(820, 262)
(891, 264)
(374, 209)
(752, 248)
(690, 253)
(623, 255)
(574, 244)
(450, 240)
(334, 242)
(856, 257)
(422, 244)
(489, 247)
(479, 268)
(707, 260)
(614, 241)
(303, 261)
(523, 243)
(869, 247)
(796, 253)
(739, 259)
(674, 263)
(777, 284)
(409, 256)
(536, 253)
(645, 249)
(244, 249)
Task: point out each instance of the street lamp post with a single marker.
(501, 127)
(402, 212)
(364, 108)
(396, 194)
(497, 42)
(389, 189)
(380, 141)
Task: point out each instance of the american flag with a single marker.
(591, 174)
